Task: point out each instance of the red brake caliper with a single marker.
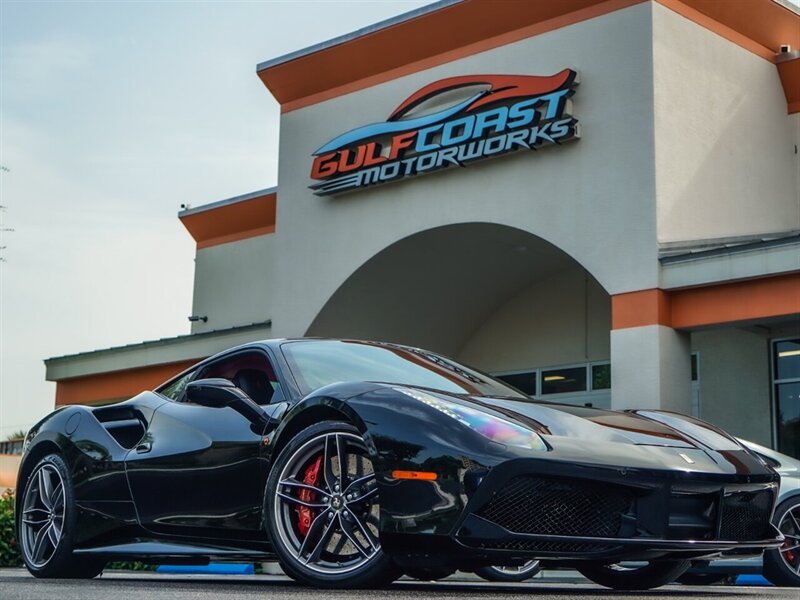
(306, 515)
(789, 554)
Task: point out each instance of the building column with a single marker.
(651, 367)
(651, 363)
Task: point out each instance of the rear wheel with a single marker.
(323, 512)
(640, 577)
(782, 565)
(47, 523)
(511, 574)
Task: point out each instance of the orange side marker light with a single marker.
(421, 475)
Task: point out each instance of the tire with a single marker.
(323, 523)
(430, 573)
(47, 523)
(651, 575)
(510, 574)
(782, 565)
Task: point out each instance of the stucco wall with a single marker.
(593, 198)
(233, 283)
(568, 307)
(724, 144)
(735, 382)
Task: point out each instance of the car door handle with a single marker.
(144, 447)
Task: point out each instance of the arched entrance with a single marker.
(496, 297)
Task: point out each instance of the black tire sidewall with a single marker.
(775, 570)
(378, 572)
(653, 575)
(62, 564)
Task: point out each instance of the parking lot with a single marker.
(18, 584)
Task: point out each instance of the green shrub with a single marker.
(9, 548)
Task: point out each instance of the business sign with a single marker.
(451, 122)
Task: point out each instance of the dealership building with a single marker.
(596, 200)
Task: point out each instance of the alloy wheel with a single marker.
(790, 528)
(326, 509)
(43, 512)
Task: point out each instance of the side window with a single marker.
(251, 372)
(175, 390)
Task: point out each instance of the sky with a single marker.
(112, 115)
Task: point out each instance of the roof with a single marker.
(227, 202)
(160, 342)
(238, 218)
(427, 37)
(699, 249)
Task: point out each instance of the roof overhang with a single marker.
(383, 51)
(232, 219)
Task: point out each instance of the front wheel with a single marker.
(641, 577)
(323, 513)
(782, 565)
(47, 522)
(510, 574)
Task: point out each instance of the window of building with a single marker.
(786, 386)
(696, 385)
(524, 381)
(601, 377)
(582, 378)
(564, 380)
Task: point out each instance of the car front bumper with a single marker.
(540, 509)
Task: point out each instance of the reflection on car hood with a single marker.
(588, 423)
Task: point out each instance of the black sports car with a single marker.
(353, 462)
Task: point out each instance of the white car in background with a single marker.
(780, 566)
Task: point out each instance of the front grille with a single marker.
(548, 505)
(745, 516)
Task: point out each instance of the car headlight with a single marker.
(491, 427)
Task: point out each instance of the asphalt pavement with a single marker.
(17, 584)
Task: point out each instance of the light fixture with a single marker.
(787, 353)
(554, 378)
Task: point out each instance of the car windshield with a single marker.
(315, 364)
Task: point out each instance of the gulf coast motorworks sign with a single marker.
(451, 122)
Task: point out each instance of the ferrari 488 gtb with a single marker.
(354, 462)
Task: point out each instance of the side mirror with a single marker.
(219, 393)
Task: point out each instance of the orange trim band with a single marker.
(116, 385)
(419, 475)
(760, 26)
(740, 301)
(637, 309)
(235, 237)
(232, 222)
(420, 44)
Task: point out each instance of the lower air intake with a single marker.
(745, 516)
(546, 505)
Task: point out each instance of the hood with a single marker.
(597, 425)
